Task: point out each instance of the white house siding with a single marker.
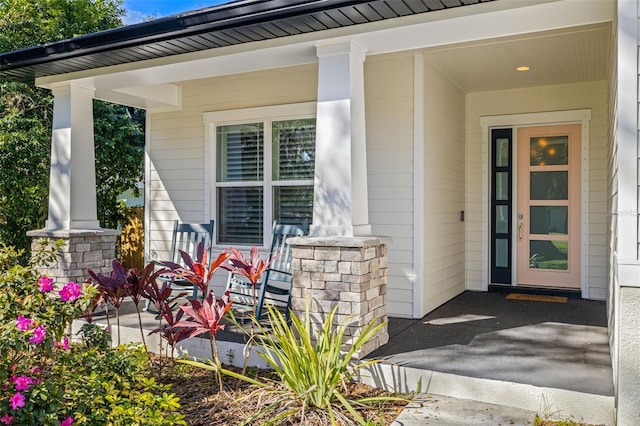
(444, 189)
(587, 95)
(389, 117)
(176, 154)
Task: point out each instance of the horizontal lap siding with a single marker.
(177, 185)
(589, 95)
(389, 116)
(444, 190)
(177, 149)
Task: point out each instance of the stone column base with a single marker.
(82, 250)
(350, 272)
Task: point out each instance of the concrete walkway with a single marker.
(439, 410)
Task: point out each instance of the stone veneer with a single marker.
(81, 250)
(350, 272)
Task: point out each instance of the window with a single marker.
(264, 169)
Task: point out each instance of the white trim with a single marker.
(585, 285)
(484, 215)
(209, 175)
(582, 116)
(267, 114)
(147, 188)
(273, 112)
(418, 185)
(626, 133)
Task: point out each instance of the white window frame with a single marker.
(266, 115)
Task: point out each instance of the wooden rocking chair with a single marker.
(277, 281)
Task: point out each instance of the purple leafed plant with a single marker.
(204, 318)
(197, 271)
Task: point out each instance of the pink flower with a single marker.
(39, 334)
(22, 382)
(64, 344)
(17, 401)
(70, 292)
(67, 422)
(6, 419)
(45, 283)
(24, 323)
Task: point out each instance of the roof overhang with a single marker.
(154, 83)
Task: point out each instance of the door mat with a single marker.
(537, 298)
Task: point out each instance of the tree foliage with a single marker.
(26, 118)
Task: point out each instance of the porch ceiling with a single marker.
(555, 57)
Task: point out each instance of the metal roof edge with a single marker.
(229, 15)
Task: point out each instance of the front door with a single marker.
(548, 206)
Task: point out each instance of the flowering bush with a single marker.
(45, 380)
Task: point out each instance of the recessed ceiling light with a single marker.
(523, 68)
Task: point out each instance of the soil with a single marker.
(204, 404)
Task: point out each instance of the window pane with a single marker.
(294, 149)
(549, 185)
(293, 205)
(502, 186)
(549, 220)
(549, 151)
(502, 152)
(502, 219)
(548, 255)
(502, 253)
(240, 155)
(240, 212)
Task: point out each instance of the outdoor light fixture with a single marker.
(523, 68)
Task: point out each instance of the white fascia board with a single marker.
(459, 25)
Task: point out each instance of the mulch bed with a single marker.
(203, 404)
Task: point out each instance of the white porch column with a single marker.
(340, 203)
(72, 185)
(73, 215)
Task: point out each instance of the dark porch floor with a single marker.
(485, 335)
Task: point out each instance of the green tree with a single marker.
(26, 114)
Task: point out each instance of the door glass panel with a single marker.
(502, 152)
(549, 220)
(502, 186)
(502, 253)
(502, 219)
(549, 185)
(548, 255)
(549, 151)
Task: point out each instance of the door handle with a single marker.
(520, 230)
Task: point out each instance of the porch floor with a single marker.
(487, 336)
(482, 347)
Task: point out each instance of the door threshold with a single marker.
(544, 291)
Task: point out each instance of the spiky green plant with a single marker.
(315, 373)
(312, 373)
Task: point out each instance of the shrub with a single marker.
(44, 380)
